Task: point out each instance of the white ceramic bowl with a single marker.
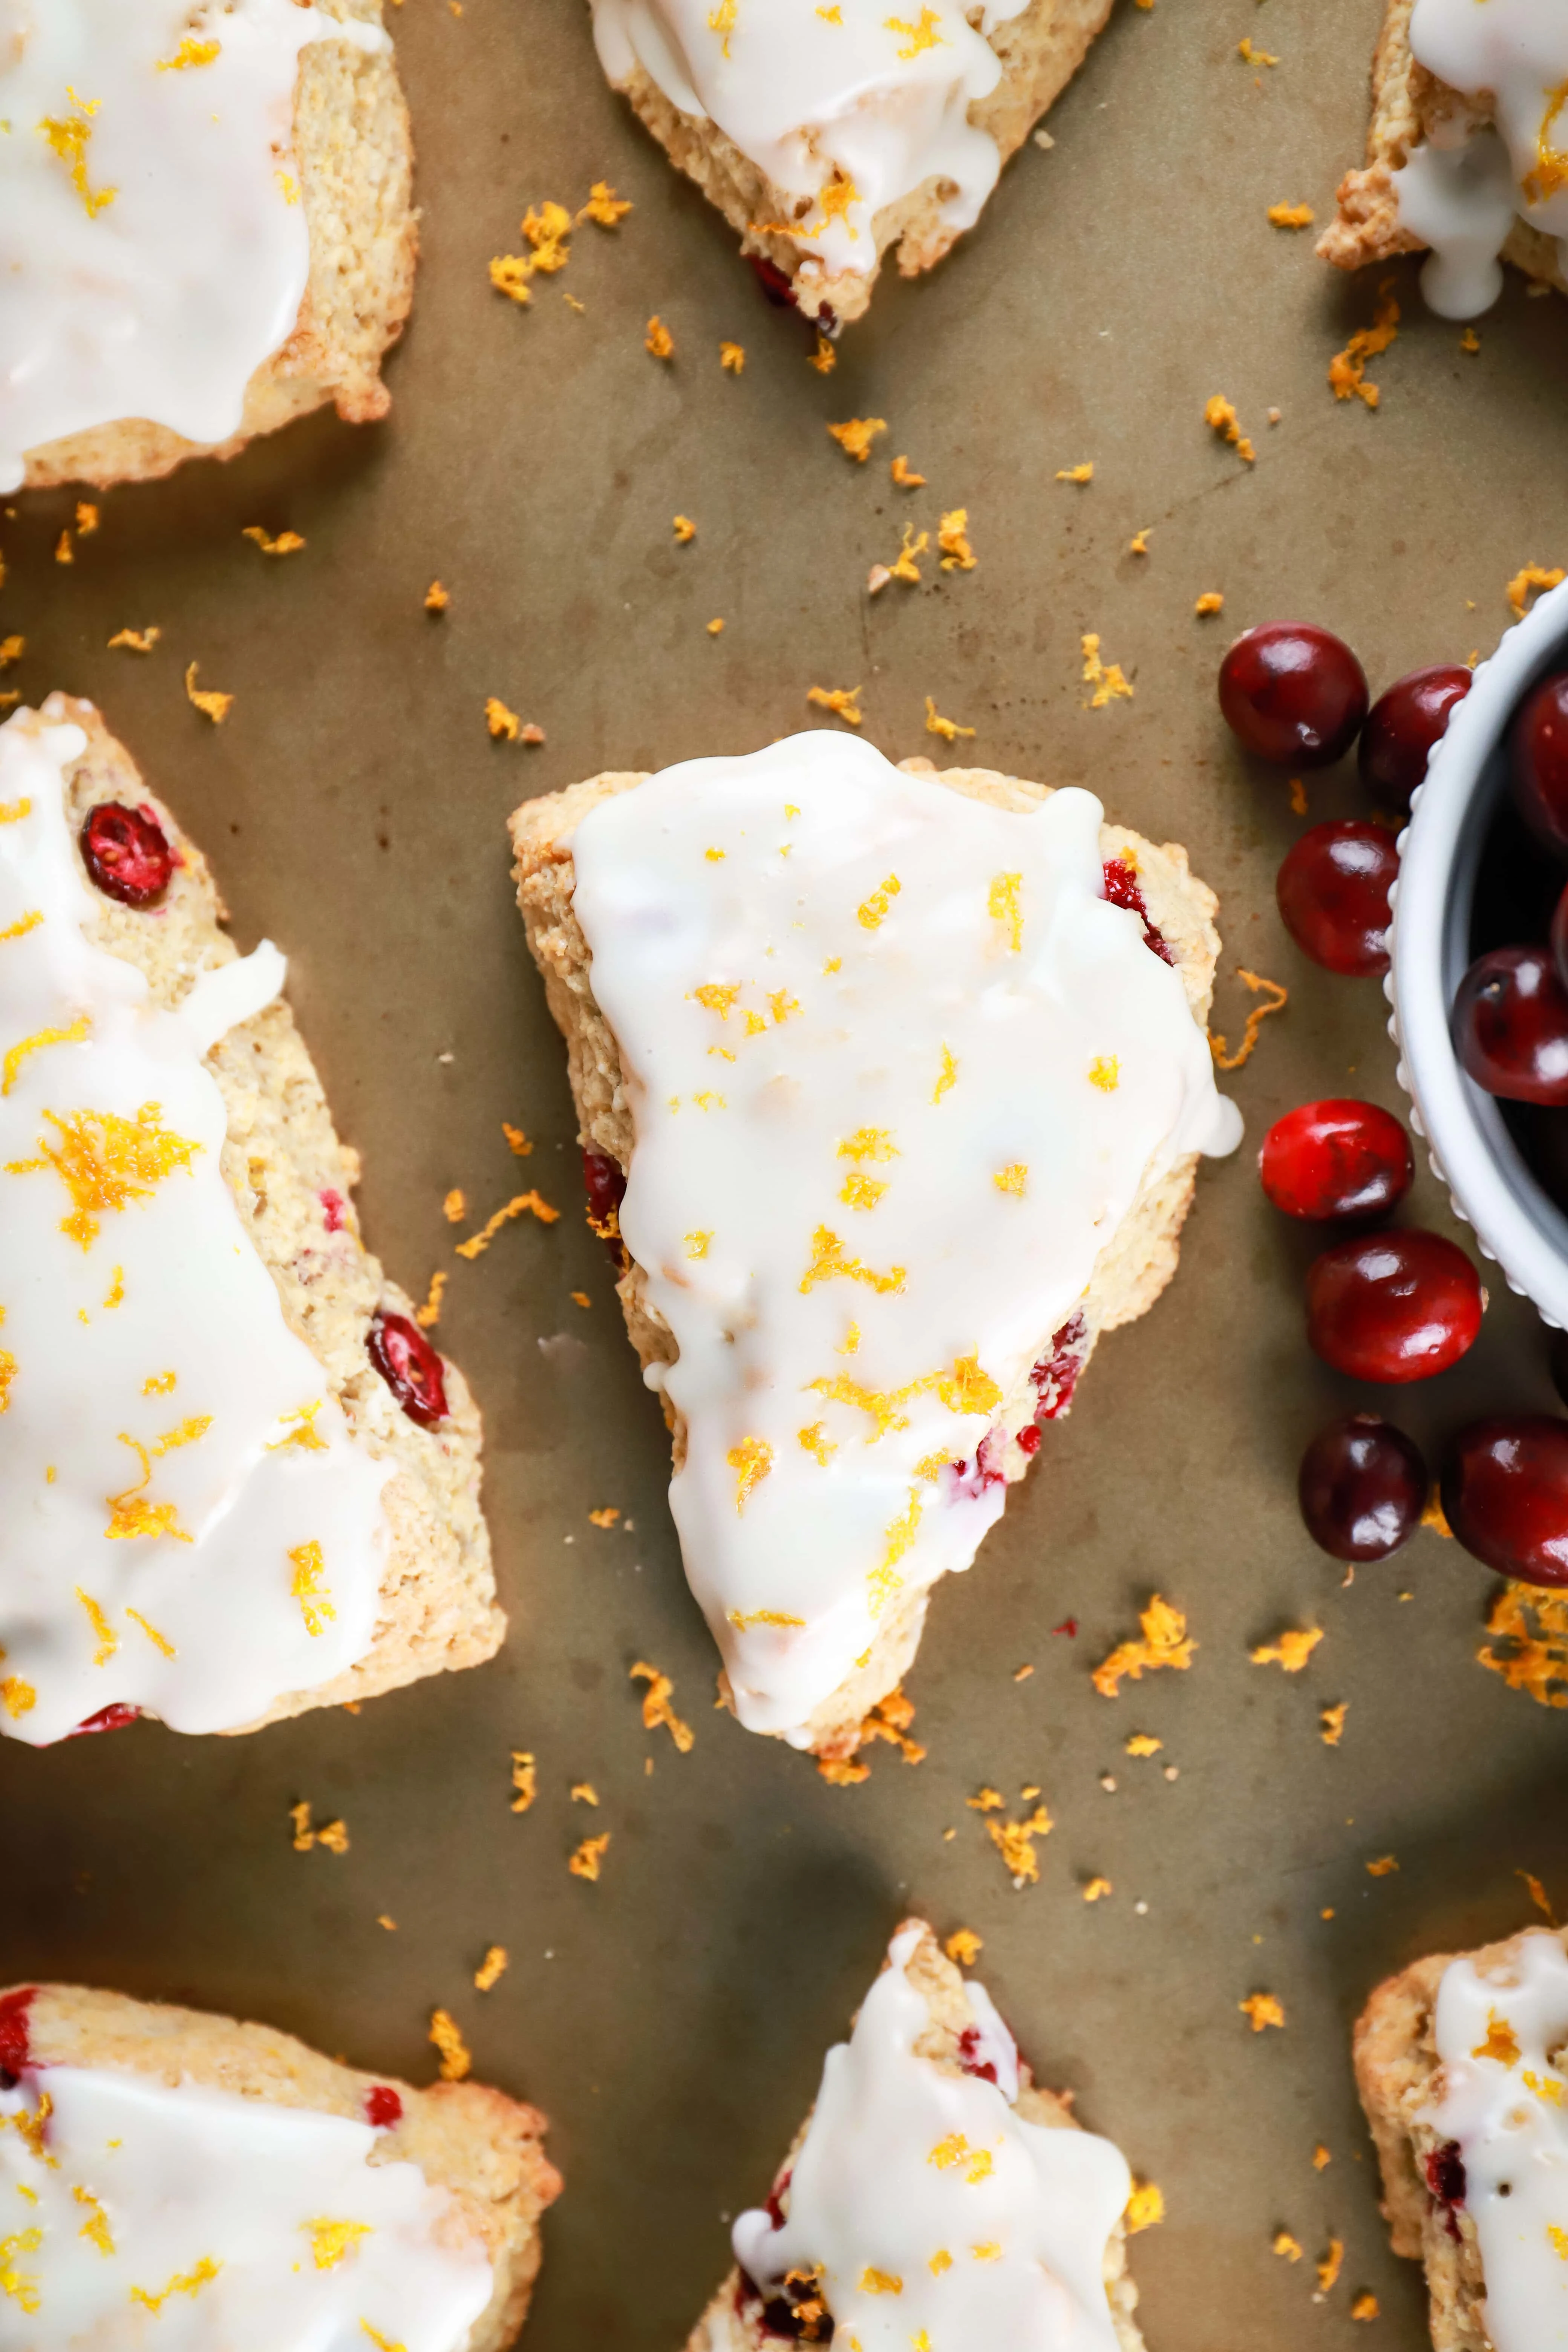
(1473, 1153)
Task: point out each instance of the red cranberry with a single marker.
(1028, 1439)
(1362, 1487)
(14, 2050)
(986, 1469)
(1392, 1307)
(604, 1181)
(126, 854)
(383, 2107)
(1445, 2170)
(108, 1718)
(1122, 889)
(1505, 1495)
(1333, 890)
(1294, 694)
(1539, 750)
(774, 281)
(335, 1210)
(1055, 1376)
(969, 2056)
(410, 1367)
(1510, 1025)
(1402, 727)
(1337, 1159)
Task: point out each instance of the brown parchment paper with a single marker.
(672, 2017)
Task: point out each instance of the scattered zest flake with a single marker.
(209, 702)
(135, 641)
(1076, 473)
(659, 342)
(1291, 1652)
(1015, 1842)
(308, 1588)
(1144, 2206)
(529, 1203)
(492, 1968)
(1470, 342)
(585, 1863)
(1534, 575)
(287, 542)
(1143, 1743)
(454, 1208)
(1222, 418)
(1320, 2157)
(437, 598)
(429, 1314)
(1211, 601)
(1263, 2009)
(1164, 1643)
(1530, 1660)
(1138, 546)
(685, 529)
(1291, 215)
(657, 1707)
(1538, 1895)
(604, 207)
(456, 2060)
(1329, 2267)
(1382, 1866)
(952, 537)
(964, 1947)
(502, 722)
(583, 1792)
(1285, 2244)
(1278, 997)
(1364, 2306)
(715, 628)
(605, 1519)
(1109, 683)
(1502, 2043)
(334, 1837)
(1254, 56)
(751, 1461)
(1332, 1720)
(1094, 1888)
(824, 359)
(948, 728)
(843, 701)
(731, 358)
(903, 478)
(856, 435)
(11, 650)
(1297, 797)
(1347, 369)
(524, 1779)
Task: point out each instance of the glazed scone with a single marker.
(1468, 150)
(240, 1481)
(207, 228)
(934, 2195)
(866, 1259)
(279, 2198)
(827, 136)
(1462, 2065)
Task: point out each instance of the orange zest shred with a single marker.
(1015, 1842)
(1291, 1652)
(135, 641)
(1538, 1895)
(1165, 1641)
(1530, 1623)
(1382, 1868)
(207, 700)
(437, 598)
(1291, 215)
(843, 701)
(585, 1861)
(456, 2062)
(824, 359)
(523, 1203)
(1533, 575)
(1208, 603)
(1263, 2009)
(1084, 473)
(856, 435)
(1332, 1720)
(74, 1035)
(948, 728)
(659, 342)
(287, 542)
(492, 1968)
(524, 1779)
(429, 1314)
(657, 1707)
(1347, 369)
(503, 724)
(1278, 997)
(904, 477)
(952, 537)
(964, 1947)
(828, 1261)
(1108, 681)
(604, 207)
(1286, 2246)
(1220, 416)
(1144, 2208)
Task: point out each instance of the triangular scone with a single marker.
(828, 135)
(1462, 2066)
(240, 1480)
(929, 1126)
(928, 2199)
(1470, 201)
(231, 167)
(279, 2198)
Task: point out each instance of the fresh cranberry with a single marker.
(1392, 1307)
(1068, 1626)
(1362, 1487)
(1028, 1439)
(986, 1469)
(1505, 1495)
(108, 1718)
(410, 1367)
(604, 1181)
(1444, 2169)
(1336, 1159)
(335, 1209)
(1123, 889)
(13, 2049)
(383, 2107)
(1333, 890)
(1402, 727)
(126, 854)
(969, 2056)
(1510, 1025)
(1055, 1376)
(776, 2196)
(774, 281)
(1293, 693)
(1539, 750)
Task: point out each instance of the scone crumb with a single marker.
(455, 2059)
(1084, 473)
(429, 1314)
(1144, 2208)
(1211, 601)
(856, 435)
(904, 477)
(585, 1862)
(606, 1517)
(1330, 2267)
(948, 728)
(1364, 2306)
(1109, 683)
(524, 1779)
(1263, 2009)
(1278, 997)
(437, 598)
(1288, 2246)
(1015, 1842)
(657, 1707)
(1165, 1641)
(492, 1968)
(1220, 416)
(1531, 575)
(207, 700)
(1291, 215)
(135, 641)
(1332, 1720)
(530, 1203)
(1347, 369)
(287, 542)
(843, 701)
(1291, 1652)
(1383, 1866)
(964, 1947)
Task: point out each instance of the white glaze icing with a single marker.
(149, 1318)
(154, 245)
(963, 1104)
(857, 102)
(190, 2219)
(1503, 2100)
(1460, 190)
(903, 2163)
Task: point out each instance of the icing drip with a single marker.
(141, 2213)
(937, 2213)
(1462, 189)
(154, 245)
(190, 1526)
(844, 110)
(1502, 2099)
(897, 1070)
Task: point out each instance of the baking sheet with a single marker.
(671, 2019)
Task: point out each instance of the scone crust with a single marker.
(1396, 2071)
(1040, 50)
(724, 2326)
(1406, 102)
(355, 154)
(1132, 1269)
(437, 1606)
(485, 2148)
